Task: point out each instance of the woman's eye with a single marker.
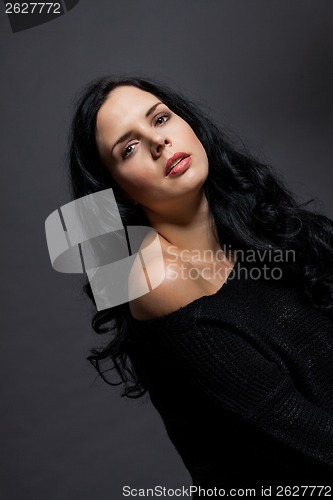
(127, 151)
(159, 120)
(162, 118)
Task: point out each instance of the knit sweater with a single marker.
(243, 380)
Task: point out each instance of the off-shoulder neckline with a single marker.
(189, 305)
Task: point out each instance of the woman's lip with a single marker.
(181, 166)
(173, 159)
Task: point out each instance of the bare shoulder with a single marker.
(167, 283)
(171, 292)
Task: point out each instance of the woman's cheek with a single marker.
(135, 180)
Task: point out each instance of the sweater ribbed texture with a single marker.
(243, 380)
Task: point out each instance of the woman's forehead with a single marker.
(126, 98)
(124, 105)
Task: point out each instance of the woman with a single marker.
(238, 363)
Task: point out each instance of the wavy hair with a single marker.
(251, 208)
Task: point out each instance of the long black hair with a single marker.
(251, 209)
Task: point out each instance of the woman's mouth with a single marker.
(177, 163)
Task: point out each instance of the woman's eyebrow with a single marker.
(152, 109)
(126, 136)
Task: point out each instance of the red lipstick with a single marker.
(175, 160)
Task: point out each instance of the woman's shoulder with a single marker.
(179, 285)
(172, 293)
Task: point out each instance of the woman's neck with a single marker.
(188, 227)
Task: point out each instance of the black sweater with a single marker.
(243, 380)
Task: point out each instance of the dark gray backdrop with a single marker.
(263, 69)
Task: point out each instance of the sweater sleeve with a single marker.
(240, 378)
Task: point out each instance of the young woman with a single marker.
(235, 346)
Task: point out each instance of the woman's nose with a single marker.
(158, 144)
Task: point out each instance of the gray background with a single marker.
(263, 69)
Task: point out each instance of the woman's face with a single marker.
(136, 135)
